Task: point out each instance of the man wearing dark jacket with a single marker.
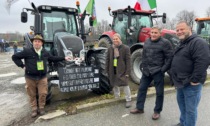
(35, 66)
(156, 59)
(188, 71)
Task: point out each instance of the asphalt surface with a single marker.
(13, 105)
(15, 110)
(118, 115)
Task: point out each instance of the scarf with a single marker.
(116, 49)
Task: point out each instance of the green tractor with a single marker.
(63, 31)
(134, 27)
(203, 28)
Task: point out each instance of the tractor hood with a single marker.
(145, 33)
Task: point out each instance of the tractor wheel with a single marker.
(136, 59)
(104, 85)
(104, 42)
(49, 94)
(173, 39)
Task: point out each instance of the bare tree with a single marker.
(170, 24)
(102, 27)
(173, 23)
(187, 16)
(208, 12)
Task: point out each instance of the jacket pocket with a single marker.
(184, 78)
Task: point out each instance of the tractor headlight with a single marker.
(82, 54)
(68, 53)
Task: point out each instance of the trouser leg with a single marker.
(159, 87)
(42, 90)
(127, 92)
(192, 98)
(116, 90)
(181, 103)
(31, 90)
(142, 92)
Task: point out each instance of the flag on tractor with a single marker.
(145, 4)
(90, 9)
(79, 11)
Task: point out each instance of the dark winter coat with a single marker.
(157, 56)
(30, 62)
(190, 62)
(123, 66)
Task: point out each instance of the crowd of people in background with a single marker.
(6, 47)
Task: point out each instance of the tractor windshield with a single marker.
(58, 21)
(137, 22)
(203, 29)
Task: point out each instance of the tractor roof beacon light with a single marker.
(77, 3)
(109, 9)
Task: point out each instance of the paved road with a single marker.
(117, 115)
(13, 105)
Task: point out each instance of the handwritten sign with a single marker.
(78, 78)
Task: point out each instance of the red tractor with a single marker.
(134, 27)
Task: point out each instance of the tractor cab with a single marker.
(129, 24)
(49, 20)
(203, 28)
(133, 26)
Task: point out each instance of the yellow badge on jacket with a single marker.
(115, 62)
(40, 65)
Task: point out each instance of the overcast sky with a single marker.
(11, 22)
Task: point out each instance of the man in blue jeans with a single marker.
(156, 59)
(188, 71)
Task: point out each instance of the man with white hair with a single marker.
(156, 59)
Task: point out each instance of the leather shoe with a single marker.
(34, 113)
(41, 112)
(155, 116)
(137, 111)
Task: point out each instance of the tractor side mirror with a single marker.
(164, 18)
(24, 17)
(120, 16)
(91, 21)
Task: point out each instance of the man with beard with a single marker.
(188, 71)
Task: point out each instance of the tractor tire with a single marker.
(49, 94)
(104, 42)
(173, 39)
(104, 85)
(136, 59)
